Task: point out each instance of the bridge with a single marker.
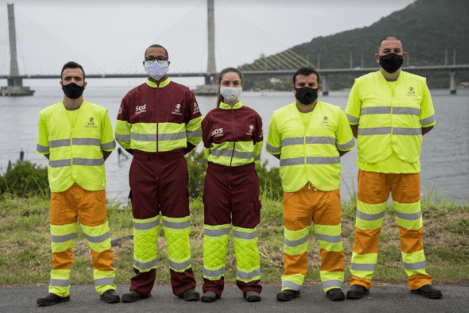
(281, 64)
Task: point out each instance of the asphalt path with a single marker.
(83, 298)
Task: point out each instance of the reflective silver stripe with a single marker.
(217, 153)
(109, 145)
(86, 141)
(243, 235)
(408, 216)
(290, 285)
(148, 225)
(292, 141)
(415, 266)
(328, 238)
(59, 143)
(257, 157)
(331, 283)
(272, 149)
(323, 160)
(58, 239)
(195, 133)
(123, 137)
(216, 273)
(104, 281)
(40, 148)
(216, 232)
(362, 267)
(59, 282)
(88, 162)
(407, 111)
(347, 145)
(374, 131)
(176, 225)
(292, 161)
(352, 119)
(375, 110)
(251, 275)
(406, 131)
(369, 217)
(171, 136)
(242, 155)
(428, 120)
(60, 163)
(98, 239)
(143, 137)
(295, 243)
(144, 266)
(179, 266)
(320, 140)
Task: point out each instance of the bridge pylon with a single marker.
(15, 84)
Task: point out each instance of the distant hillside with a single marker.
(427, 28)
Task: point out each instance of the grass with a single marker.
(25, 244)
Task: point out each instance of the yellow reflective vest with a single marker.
(309, 153)
(75, 153)
(390, 117)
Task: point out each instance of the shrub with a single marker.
(25, 179)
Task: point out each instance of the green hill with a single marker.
(427, 29)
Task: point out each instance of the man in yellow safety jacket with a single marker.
(309, 137)
(389, 112)
(76, 136)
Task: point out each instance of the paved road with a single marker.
(381, 299)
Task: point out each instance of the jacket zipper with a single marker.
(234, 143)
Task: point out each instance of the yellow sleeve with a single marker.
(274, 140)
(42, 146)
(427, 112)
(344, 135)
(354, 105)
(107, 139)
(194, 131)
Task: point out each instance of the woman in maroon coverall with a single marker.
(232, 136)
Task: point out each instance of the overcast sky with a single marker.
(111, 36)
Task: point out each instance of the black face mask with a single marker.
(306, 95)
(73, 91)
(391, 62)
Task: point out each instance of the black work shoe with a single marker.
(357, 292)
(209, 296)
(52, 299)
(252, 296)
(335, 294)
(288, 295)
(133, 296)
(190, 295)
(110, 296)
(428, 291)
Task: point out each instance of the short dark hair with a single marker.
(156, 46)
(72, 64)
(220, 77)
(305, 71)
(386, 38)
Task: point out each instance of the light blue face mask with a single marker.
(156, 69)
(230, 93)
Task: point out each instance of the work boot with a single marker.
(252, 296)
(357, 292)
(133, 296)
(110, 296)
(428, 291)
(190, 295)
(335, 294)
(52, 299)
(288, 295)
(209, 296)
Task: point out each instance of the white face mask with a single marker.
(155, 69)
(230, 93)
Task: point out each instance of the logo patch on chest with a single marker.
(411, 92)
(325, 122)
(251, 129)
(218, 132)
(90, 124)
(177, 110)
(140, 109)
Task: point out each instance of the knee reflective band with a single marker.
(176, 232)
(247, 254)
(60, 282)
(295, 249)
(215, 242)
(145, 240)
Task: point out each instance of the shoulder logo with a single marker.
(218, 132)
(251, 129)
(120, 110)
(196, 108)
(140, 109)
(177, 110)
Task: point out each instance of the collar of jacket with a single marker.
(225, 106)
(164, 83)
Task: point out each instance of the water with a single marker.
(445, 151)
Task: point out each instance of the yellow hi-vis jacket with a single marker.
(309, 153)
(76, 154)
(390, 119)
